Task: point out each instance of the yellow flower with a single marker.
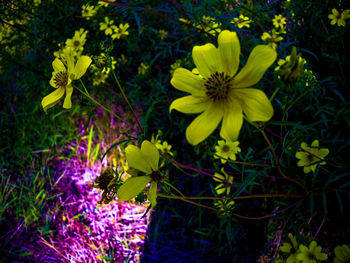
(342, 254)
(145, 160)
(78, 40)
(242, 21)
(337, 18)
(62, 79)
(223, 187)
(311, 254)
(99, 78)
(226, 150)
(107, 26)
(220, 94)
(162, 34)
(143, 68)
(88, 11)
(311, 156)
(272, 38)
(291, 249)
(225, 207)
(120, 31)
(209, 25)
(100, 3)
(279, 21)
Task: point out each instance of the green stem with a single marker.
(96, 102)
(127, 101)
(173, 187)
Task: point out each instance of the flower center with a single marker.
(157, 176)
(310, 256)
(76, 43)
(218, 86)
(226, 148)
(61, 79)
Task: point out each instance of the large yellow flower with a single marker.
(145, 160)
(220, 94)
(62, 79)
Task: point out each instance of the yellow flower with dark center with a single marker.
(311, 156)
(88, 11)
(242, 21)
(291, 249)
(78, 41)
(62, 79)
(272, 38)
(342, 254)
(279, 21)
(107, 26)
(145, 160)
(337, 18)
(220, 94)
(226, 150)
(311, 254)
(120, 31)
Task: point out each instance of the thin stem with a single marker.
(96, 102)
(245, 163)
(173, 187)
(128, 102)
(277, 164)
(186, 200)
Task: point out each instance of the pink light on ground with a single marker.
(85, 230)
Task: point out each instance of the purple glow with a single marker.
(85, 230)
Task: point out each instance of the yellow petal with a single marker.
(335, 12)
(152, 194)
(230, 50)
(259, 60)
(315, 144)
(132, 187)
(52, 99)
(52, 82)
(81, 67)
(207, 59)
(151, 154)
(232, 121)
(58, 65)
(202, 126)
(255, 104)
(68, 55)
(67, 104)
(189, 104)
(323, 152)
(186, 81)
(136, 159)
(302, 155)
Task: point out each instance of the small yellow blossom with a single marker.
(337, 18)
(342, 254)
(310, 157)
(120, 31)
(143, 68)
(272, 38)
(62, 79)
(107, 26)
(242, 21)
(162, 34)
(209, 25)
(99, 78)
(226, 150)
(122, 60)
(88, 11)
(223, 188)
(279, 21)
(219, 94)
(101, 3)
(145, 160)
(174, 66)
(291, 249)
(225, 207)
(78, 41)
(311, 254)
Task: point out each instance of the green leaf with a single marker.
(132, 187)
(152, 194)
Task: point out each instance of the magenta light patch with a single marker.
(86, 231)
